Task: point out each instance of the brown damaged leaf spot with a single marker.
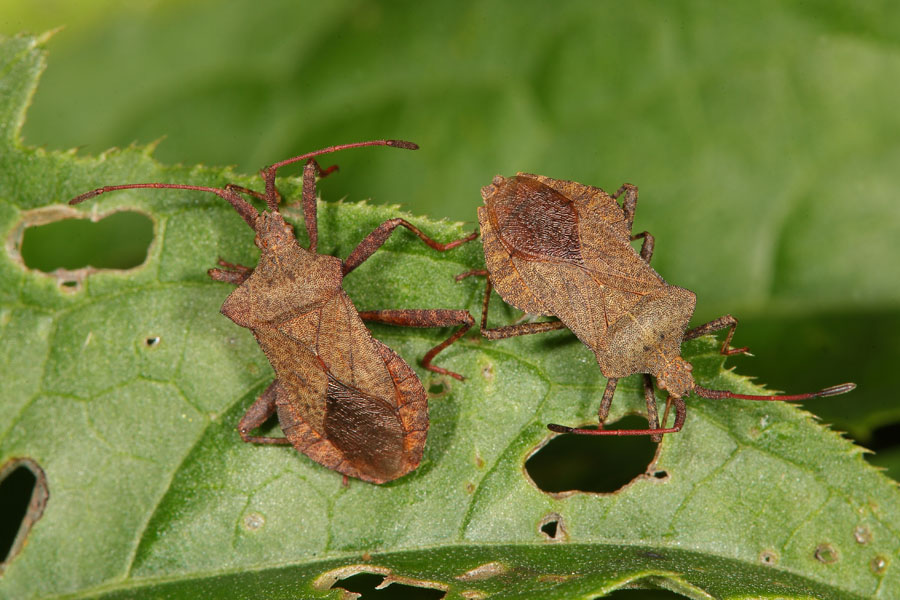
(332, 579)
(409, 581)
(38, 501)
(826, 553)
(68, 280)
(326, 580)
(485, 571)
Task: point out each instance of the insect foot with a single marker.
(563, 249)
(343, 398)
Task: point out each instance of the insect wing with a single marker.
(366, 414)
(588, 200)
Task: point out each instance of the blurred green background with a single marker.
(764, 136)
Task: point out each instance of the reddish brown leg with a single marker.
(606, 401)
(310, 208)
(232, 273)
(499, 333)
(646, 245)
(629, 203)
(374, 240)
(426, 318)
(665, 418)
(257, 414)
(312, 170)
(715, 325)
(320, 172)
(652, 414)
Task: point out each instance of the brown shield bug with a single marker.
(562, 248)
(343, 398)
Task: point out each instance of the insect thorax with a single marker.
(648, 337)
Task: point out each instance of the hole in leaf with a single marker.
(436, 388)
(588, 463)
(119, 241)
(365, 584)
(23, 495)
(550, 528)
(553, 527)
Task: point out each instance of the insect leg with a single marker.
(608, 393)
(232, 273)
(646, 245)
(310, 208)
(257, 414)
(312, 170)
(499, 333)
(629, 203)
(374, 240)
(426, 318)
(652, 414)
(715, 325)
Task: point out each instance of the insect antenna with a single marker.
(244, 208)
(723, 394)
(680, 412)
(268, 174)
(578, 430)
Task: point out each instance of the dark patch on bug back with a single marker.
(536, 221)
(364, 428)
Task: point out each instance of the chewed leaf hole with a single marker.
(118, 241)
(587, 463)
(550, 528)
(23, 495)
(553, 528)
(366, 584)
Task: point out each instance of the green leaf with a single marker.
(762, 135)
(152, 492)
